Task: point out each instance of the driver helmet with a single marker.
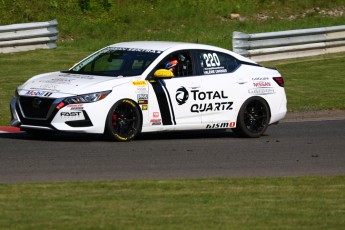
(171, 65)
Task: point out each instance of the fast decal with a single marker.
(261, 91)
(213, 65)
(201, 96)
(70, 114)
(38, 93)
(143, 107)
(164, 102)
(231, 124)
(155, 114)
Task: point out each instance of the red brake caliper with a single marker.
(114, 119)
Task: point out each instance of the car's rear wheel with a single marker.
(253, 118)
(124, 121)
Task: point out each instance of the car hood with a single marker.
(57, 83)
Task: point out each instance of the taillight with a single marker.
(279, 80)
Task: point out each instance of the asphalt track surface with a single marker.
(288, 149)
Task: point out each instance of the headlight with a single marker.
(87, 98)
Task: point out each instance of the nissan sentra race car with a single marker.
(132, 87)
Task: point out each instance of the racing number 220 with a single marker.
(211, 60)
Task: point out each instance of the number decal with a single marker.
(211, 60)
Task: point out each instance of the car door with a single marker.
(221, 89)
(174, 95)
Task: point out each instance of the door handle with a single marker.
(195, 85)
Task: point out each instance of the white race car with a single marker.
(133, 87)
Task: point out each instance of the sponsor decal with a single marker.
(156, 121)
(143, 96)
(181, 95)
(208, 95)
(204, 95)
(137, 50)
(87, 77)
(261, 91)
(139, 83)
(260, 78)
(144, 107)
(50, 87)
(155, 114)
(58, 80)
(143, 102)
(231, 124)
(262, 84)
(216, 106)
(141, 90)
(76, 106)
(38, 93)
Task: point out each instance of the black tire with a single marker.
(253, 118)
(124, 121)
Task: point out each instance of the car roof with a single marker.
(165, 45)
(160, 45)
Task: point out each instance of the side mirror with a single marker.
(163, 73)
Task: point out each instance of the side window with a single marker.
(179, 63)
(216, 63)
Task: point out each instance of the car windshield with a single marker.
(116, 61)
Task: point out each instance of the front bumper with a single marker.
(25, 114)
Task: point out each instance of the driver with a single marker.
(172, 66)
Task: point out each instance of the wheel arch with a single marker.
(131, 102)
(250, 98)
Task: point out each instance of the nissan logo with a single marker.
(36, 102)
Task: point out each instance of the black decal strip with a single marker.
(170, 104)
(162, 102)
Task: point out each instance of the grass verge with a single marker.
(255, 203)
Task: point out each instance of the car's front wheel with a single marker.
(253, 118)
(123, 121)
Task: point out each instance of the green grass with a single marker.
(314, 83)
(252, 203)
